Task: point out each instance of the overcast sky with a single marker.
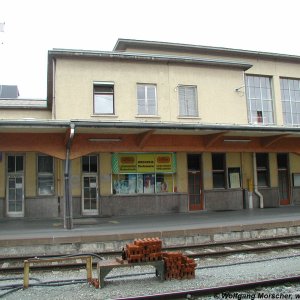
(32, 27)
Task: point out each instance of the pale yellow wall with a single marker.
(2, 176)
(217, 100)
(247, 168)
(76, 177)
(30, 174)
(294, 160)
(24, 114)
(268, 67)
(105, 174)
(273, 169)
(59, 177)
(181, 173)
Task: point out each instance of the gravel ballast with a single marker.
(143, 284)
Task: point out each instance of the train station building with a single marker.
(153, 128)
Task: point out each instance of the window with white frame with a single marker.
(104, 98)
(259, 97)
(290, 100)
(188, 106)
(146, 99)
(45, 175)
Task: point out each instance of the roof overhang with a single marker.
(95, 137)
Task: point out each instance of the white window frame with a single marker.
(145, 101)
(260, 107)
(108, 96)
(43, 175)
(188, 107)
(290, 100)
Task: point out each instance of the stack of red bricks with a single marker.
(178, 266)
(142, 250)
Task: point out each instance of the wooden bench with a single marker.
(105, 266)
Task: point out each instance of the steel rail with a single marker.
(217, 289)
(180, 247)
(191, 255)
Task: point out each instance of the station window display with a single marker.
(143, 173)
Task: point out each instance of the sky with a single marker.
(32, 27)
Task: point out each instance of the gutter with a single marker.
(68, 221)
(62, 53)
(261, 198)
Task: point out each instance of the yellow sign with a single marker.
(145, 163)
(127, 163)
(163, 163)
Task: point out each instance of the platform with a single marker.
(95, 234)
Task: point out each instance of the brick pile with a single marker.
(178, 266)
(142, 250)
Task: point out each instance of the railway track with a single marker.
(202, 270)
(218, 290)
(15, 264)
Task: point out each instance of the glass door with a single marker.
(90, 194)
(15, 186)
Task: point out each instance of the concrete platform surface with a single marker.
(13, 230)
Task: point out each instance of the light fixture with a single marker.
(105, 139)
(236, 141)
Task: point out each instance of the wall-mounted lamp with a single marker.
(238, 89)
(236, 141)
(105, 139)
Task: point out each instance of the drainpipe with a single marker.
(261, 198)
(68, 222)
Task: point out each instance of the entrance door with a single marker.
(90, 195)
(283, 179)
(15, 186)
(195, 197)
(195, 182)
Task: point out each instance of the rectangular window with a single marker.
(259, 100)
(262, 167)
(104, 98)
(188, 106)
(146, 99)
(89, 164)
(45, 175)
(290, 100)
(218, 170)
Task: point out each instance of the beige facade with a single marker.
(208, 140)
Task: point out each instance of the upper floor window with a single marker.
(218, 170)
(45, 175)
(188, 106)
(104, 98)
(290, 99)
(259, 97)
(146, 99)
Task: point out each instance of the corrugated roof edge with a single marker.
(122, 44)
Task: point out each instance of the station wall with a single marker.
(109, 204)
